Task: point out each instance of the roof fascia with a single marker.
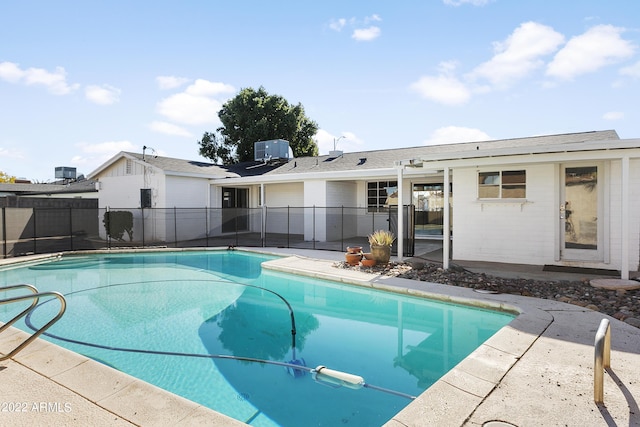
(193, 175)
(550, 157)
(310, 176)
(572, 147)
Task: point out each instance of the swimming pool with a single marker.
(222, 302)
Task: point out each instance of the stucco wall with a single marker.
(280, 219)
(186, 192)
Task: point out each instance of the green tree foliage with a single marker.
(257, 116)
(6, 178)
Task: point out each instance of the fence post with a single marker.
(142, 214)
(71, 227)
(4, 231)
(175, 226)
(263, 225)
(288, 224)
(342, 227)
(35, 231)
(206, 223)
(314, 227)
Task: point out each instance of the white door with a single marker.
(581, 212)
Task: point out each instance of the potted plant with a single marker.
(380, 242)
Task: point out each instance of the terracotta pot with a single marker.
(381, 254)
(368, 262)
(352, 259)
(354, 249)
(367, 255)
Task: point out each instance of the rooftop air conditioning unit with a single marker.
(274, 149)
(65, 172)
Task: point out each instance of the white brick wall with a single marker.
(528, 233)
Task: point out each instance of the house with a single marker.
(562, 199)
(27, 195)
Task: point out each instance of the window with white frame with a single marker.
(378, 193)
(502, 184)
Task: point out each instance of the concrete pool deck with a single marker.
(537, 371)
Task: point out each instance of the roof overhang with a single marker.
(391, 171)
(591, 150)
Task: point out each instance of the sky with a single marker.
(82, 81)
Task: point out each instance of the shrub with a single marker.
(117, 222)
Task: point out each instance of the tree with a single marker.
(6, 178)
(257, 116)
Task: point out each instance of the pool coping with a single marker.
(463, 396)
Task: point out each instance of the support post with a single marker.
(400, 236)
(446, 226)
(624, 209)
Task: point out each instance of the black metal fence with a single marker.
(35, 230)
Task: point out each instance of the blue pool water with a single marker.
(156, 311)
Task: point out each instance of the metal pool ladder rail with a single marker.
(602, 359)
(34, 296)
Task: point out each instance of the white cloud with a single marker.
(373, 18)
(337, 24)
(190, 109)
(170, 82)
(461, 2)
(453, 134)
(346, 142)
(444, 89)
(206, 88)
(519, 54)
(11, 153)
(362, 30)
(366, 34)
(102, 95)
(94, 155)
(613, 115)
(10, 72)
(169, 129)
(598, 47)
(197, 105)
(631, 70)
(55, 82)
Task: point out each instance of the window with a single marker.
(378, 194)
(502, 185)
(128, 167)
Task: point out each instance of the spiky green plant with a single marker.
(381, 238)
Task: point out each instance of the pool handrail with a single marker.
(35, 297)
(602, 359)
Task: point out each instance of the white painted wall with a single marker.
(186, 192)
(280, 218)
(527, 233)
(341, 223)
(315, 194)
(506, 231)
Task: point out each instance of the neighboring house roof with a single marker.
(183, 167)
(85, 186)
